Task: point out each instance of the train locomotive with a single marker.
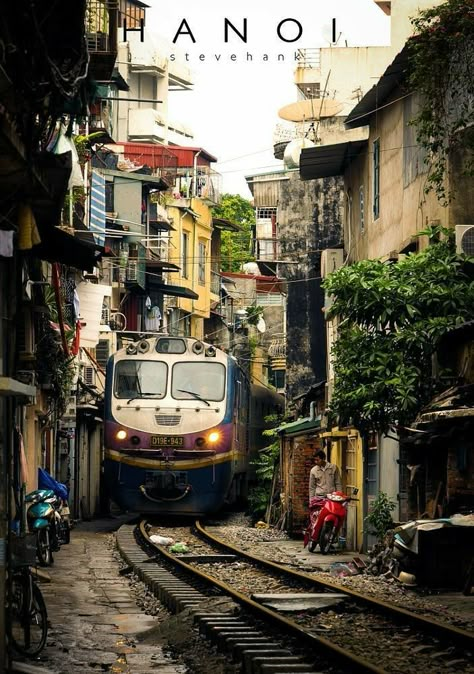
(176, 427)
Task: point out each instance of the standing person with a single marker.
(324, 477)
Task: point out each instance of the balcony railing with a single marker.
(101, 32)
(157, 249)
(309, 58)
(204, 183)
(277, 346)
(160, 159)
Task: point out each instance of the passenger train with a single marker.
(176, 427)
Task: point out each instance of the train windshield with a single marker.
(198, 381)
(140, 379)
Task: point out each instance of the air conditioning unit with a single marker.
(331, 260)
(465, 239)
(88, 375)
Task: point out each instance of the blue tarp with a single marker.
(45, 481)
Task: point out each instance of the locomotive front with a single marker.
(172, 444)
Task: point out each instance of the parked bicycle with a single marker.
(27, 615)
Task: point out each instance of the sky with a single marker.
(233, 106)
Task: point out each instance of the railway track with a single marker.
(326, 632)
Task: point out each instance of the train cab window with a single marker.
(170, 345)
(140, 379)
(198, 380)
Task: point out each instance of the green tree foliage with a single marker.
(441, 62)
(391, 317)
(236, 246)
(265, 465)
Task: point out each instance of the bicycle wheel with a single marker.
(28, 618)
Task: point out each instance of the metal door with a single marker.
(349, 484)
(371, 479)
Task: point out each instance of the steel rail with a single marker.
(330, 650)
(460, 636)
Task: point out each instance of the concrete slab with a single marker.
(288, 602)
(207, 559)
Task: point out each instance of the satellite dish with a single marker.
(292, 154)
(310, 109)
(261, 325)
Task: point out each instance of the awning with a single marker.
(324, 161)
(300, 426)
(161, 265)
(175, 291)
(222, 223)
(59, 246)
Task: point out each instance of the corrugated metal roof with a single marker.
(300, 426)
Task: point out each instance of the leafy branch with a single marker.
(441, 68)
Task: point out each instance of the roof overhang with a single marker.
(222, 223)
(325, 161)
(161, 265)
(175, 291)
(393, 77)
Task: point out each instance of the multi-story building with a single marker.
(387, 174)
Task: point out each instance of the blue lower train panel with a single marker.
(168, 490)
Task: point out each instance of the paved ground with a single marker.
(95, 624)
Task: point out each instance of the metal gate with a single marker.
(349, 483)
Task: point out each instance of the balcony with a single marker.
(101, 33)
(202, 182)
(149, 125)
(267, 250)
(160, 159)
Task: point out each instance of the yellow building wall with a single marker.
(346, 453)
(199, 230)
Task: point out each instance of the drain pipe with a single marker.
(312, 410)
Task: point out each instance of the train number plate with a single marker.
(167, 441)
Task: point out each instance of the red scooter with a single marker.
(326, 517)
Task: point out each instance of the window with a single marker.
(202, 263)
(140, 379)
(192, 381)
(361, 208)
(376, 167)
(185, 254)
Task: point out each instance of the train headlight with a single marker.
(200, 442)
(214, 436)
(121, 435)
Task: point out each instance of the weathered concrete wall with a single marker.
(309, 220)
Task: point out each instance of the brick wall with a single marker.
(297, 463)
